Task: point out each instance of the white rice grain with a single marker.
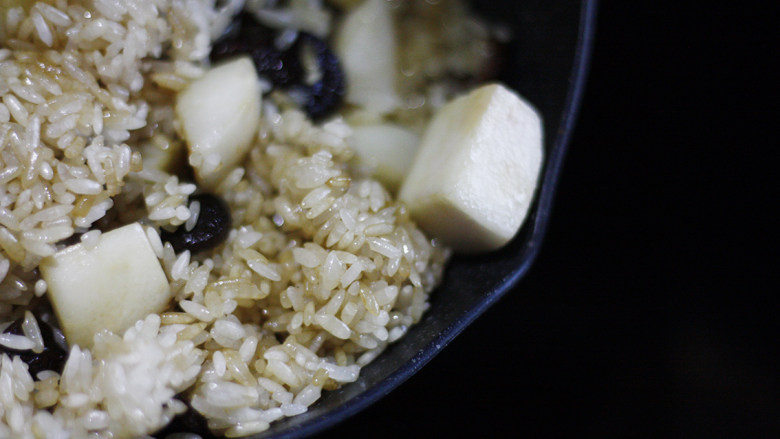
(179, 268)
(293, 409)
(49, 234)
(91, 239)
(162, 213)
(219, 363)
(282, 397)
(351, 274)
(27, 93)
(197, 310)
(155, 241)
(264, 270)
(305, 257)
(53, 14)
(342, 374)
(229, 329)
(308, 396)
(243, 429)
(332, 270)
(44, 33)
(18, 342)
(17, 110)
(194, 212)
(227, 394)
(247, 237)
(333, 325)
(32, 331)
(83, 186)
(396, 333)
(369, 356)
(248, 348)
(384, 247)
(283, 373)
(96, 420)
(182, 214)
(276, 354)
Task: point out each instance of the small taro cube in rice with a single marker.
(110, 286)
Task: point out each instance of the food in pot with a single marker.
(198, 223)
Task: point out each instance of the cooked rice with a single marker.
(321, 270)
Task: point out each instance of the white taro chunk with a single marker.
(109, 286)
(387, 150)
(219, 115)
(366, 46)
(476, 170)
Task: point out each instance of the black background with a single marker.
(652, 309)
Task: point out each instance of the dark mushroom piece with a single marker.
(53, 356)
(291, 68)
(210, 230)
(327, 93)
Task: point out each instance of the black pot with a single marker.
(546, 63)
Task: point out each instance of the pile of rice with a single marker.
(321, 269)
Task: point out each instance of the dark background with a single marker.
(652, 308)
